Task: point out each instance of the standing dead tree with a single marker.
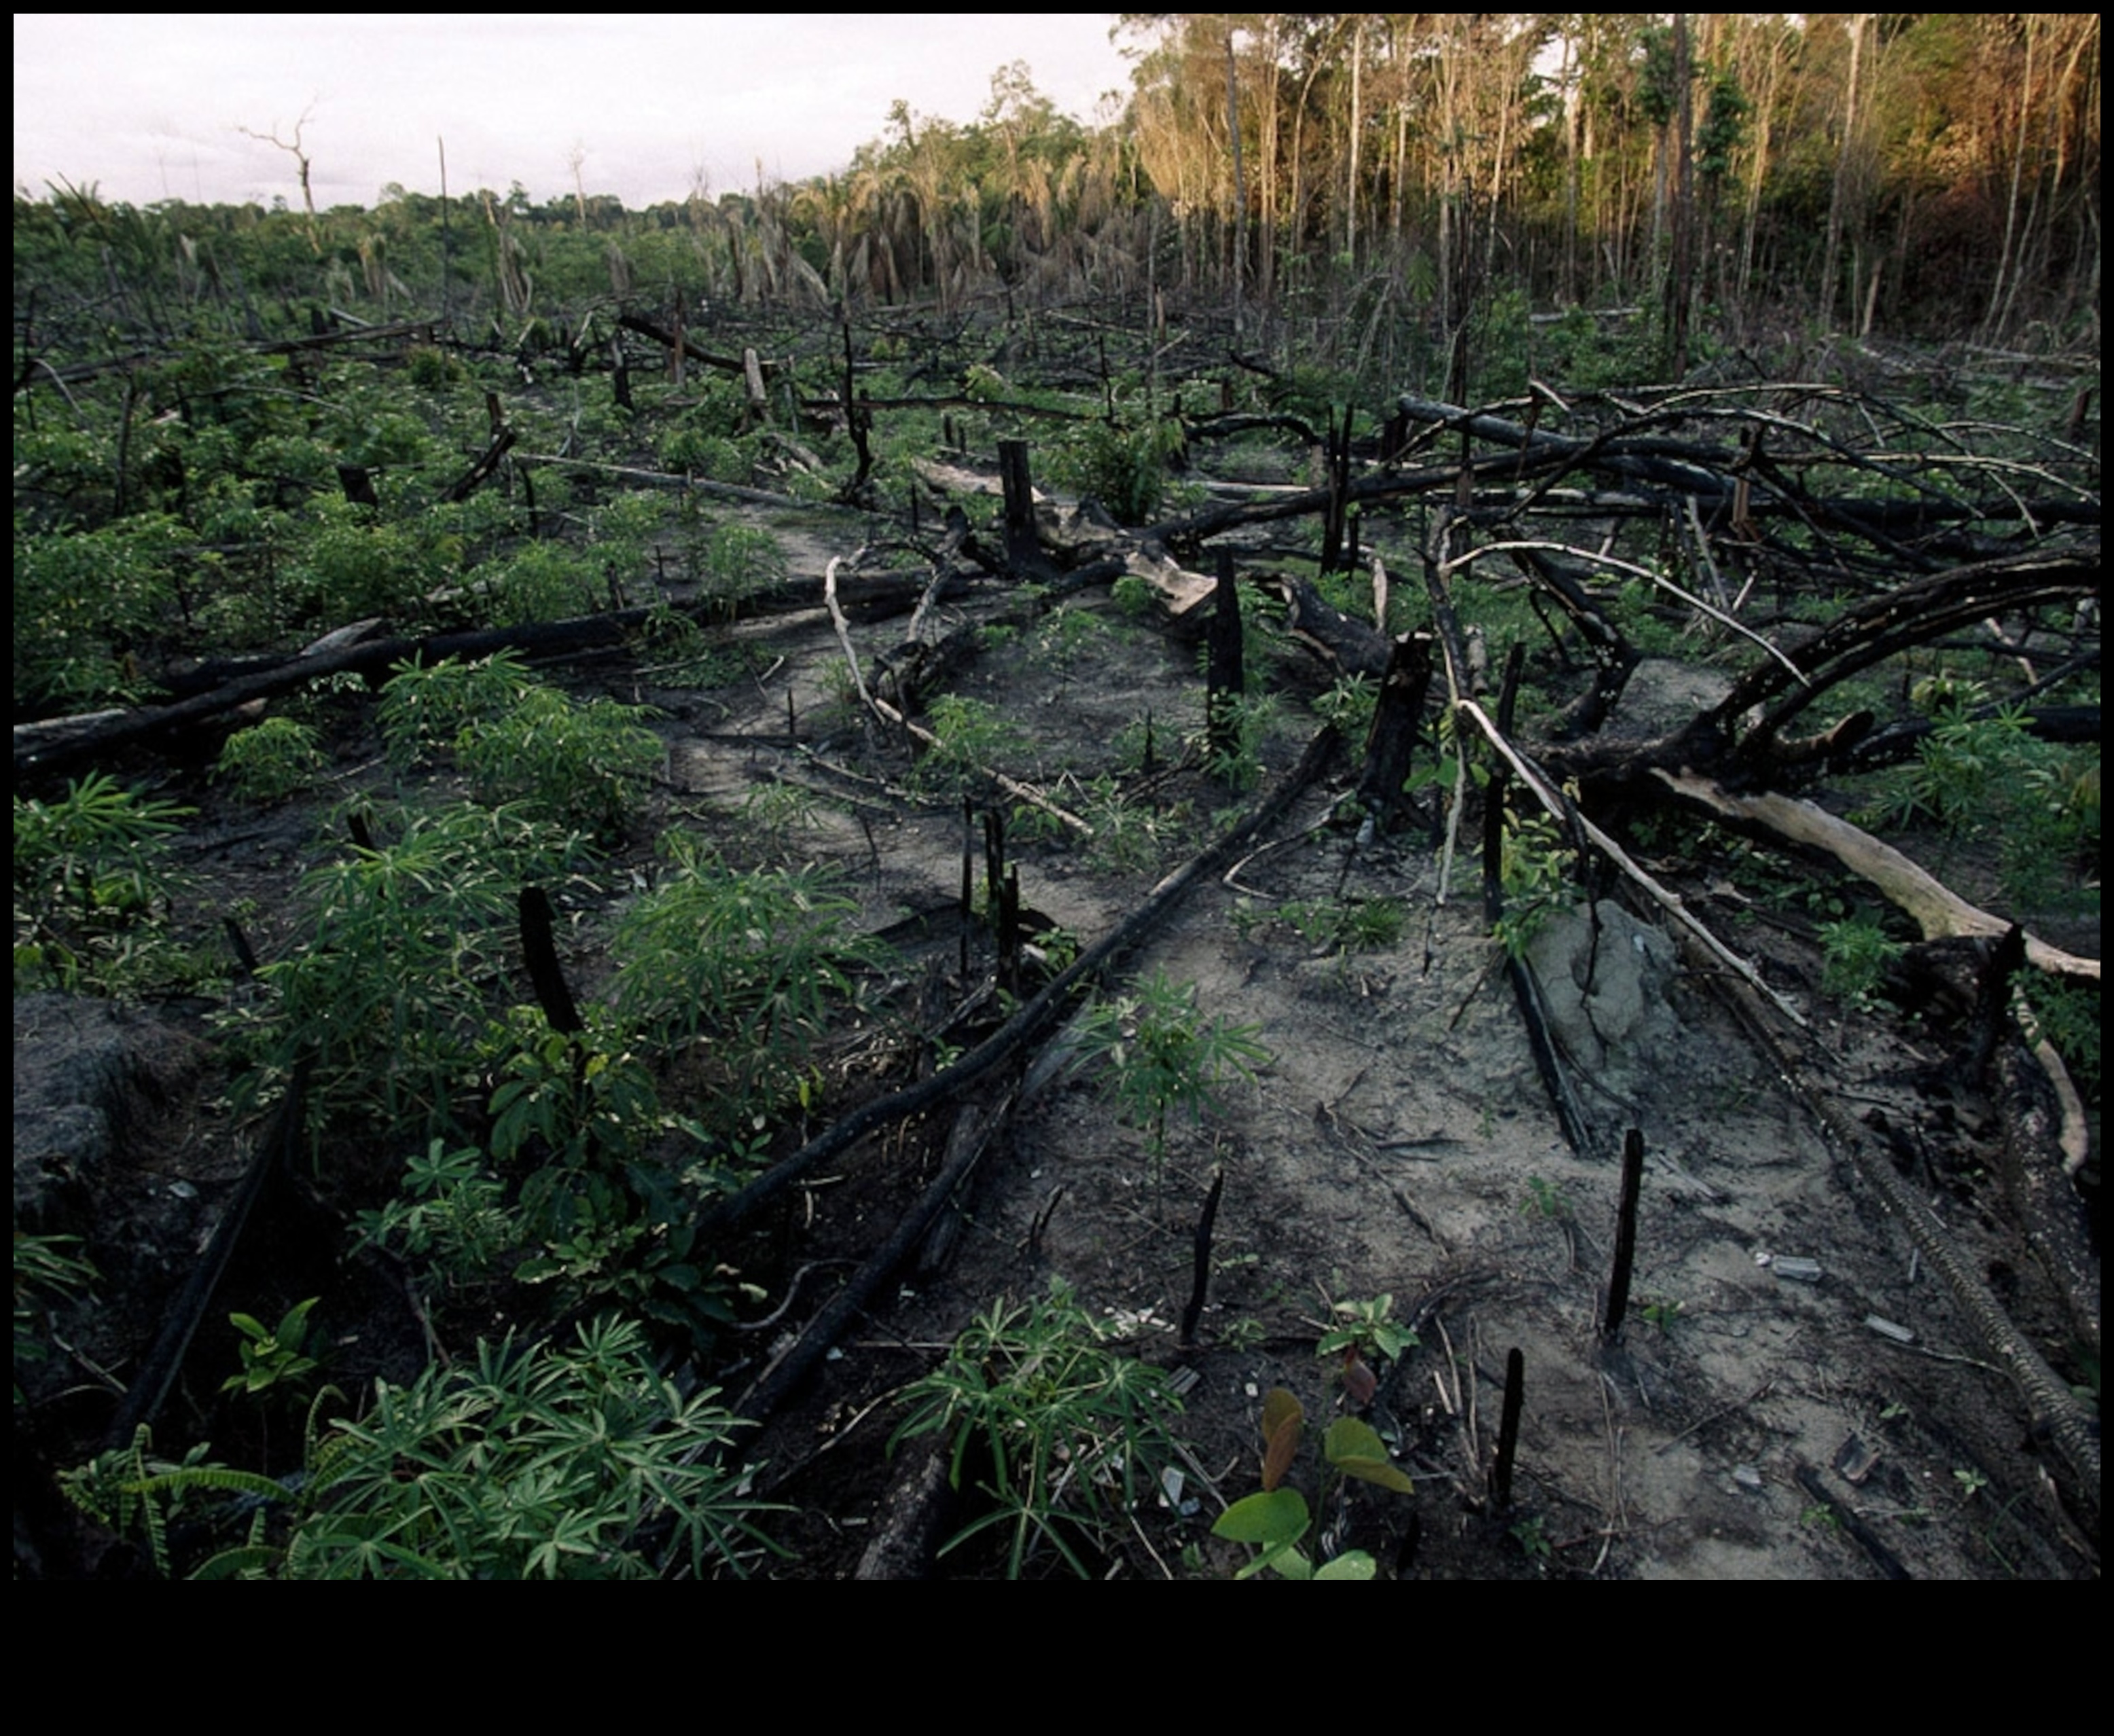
(294, 148)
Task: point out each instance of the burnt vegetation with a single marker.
(610, 776)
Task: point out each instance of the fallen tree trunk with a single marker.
(50, 746)
(45, 754)
(1937, 909)
(2044, 1200)
(972, 1138)
(1723, 743)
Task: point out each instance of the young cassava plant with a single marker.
(1276, 1519)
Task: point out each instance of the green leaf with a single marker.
(1287, 1562)
(1353, 1564)
(1276, 1519)
(1282, 1419)
(1391, 1341)
(294, 1326)
(1355, 1448)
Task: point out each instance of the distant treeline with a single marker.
(1912, 174)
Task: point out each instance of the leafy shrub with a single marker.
(756, 962)
(1160, 1054)
(1858, 953)
(676, 651)
(773, 815)
(422, 709)
(1276, 1519)
(46, 1270)
(1068, 633)
(601, 1203)
(93, 886)
(584, 765)
(1247, 719)
(450, 1215)
(703, 453)
(1123, 465)
(2069, 1015)
(1979, 777)
(971, 738)
(84, 600)
(389, 999)
(544, 581)
(277, 758)
(1347, 706)
(347, 565)
(1962, 764)
(518, 741)
(1133, 836)
(583, 1186)
(1537, 878)
(1346, 925)
(539, 1462)
(1064, 1434)
(297, 461)
(1133, 596)
(430, 369)
(738, 562)
(273, 1357)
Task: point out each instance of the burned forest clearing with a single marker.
(991, 941)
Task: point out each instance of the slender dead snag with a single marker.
(1200, 1281)
(1022, 550)
(1397, 721)
(967, 914)
(1626, 1234)
(545, 972)
(1224, 679)
(294, 149)
(1526, 987)
(1508, 1422)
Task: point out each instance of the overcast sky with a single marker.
(148, 106)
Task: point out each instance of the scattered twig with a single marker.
(1724, 1411)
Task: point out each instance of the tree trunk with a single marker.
(1680, 266)
(1240, 181)
(1839, 197)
